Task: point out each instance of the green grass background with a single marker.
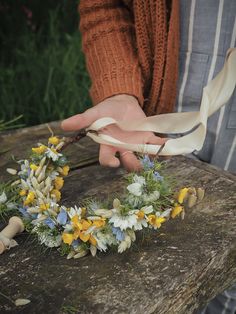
(42, 68)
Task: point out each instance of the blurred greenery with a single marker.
(42, 68)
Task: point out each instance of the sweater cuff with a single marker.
(109, 85)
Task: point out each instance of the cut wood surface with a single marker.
(176, 269)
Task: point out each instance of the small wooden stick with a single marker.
(70, 140)
(14, 226)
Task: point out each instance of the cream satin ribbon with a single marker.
(215, 95)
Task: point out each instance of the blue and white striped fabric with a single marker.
(207, 31)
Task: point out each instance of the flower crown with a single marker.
(147, 203)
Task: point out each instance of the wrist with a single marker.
(125, 98)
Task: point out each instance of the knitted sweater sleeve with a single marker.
(108, 42)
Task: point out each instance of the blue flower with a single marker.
(75, 244)
(147, 163)
(120, 236)
(157, 176)
(62, 217)
(24, 212)
(49, 222)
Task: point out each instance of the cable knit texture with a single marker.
(131, 47)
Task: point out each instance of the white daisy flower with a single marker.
(142, 223)
(123, 222)
(51, 154)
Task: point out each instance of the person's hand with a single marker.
(121, 108)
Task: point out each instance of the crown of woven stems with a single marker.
(148, 200)
(215, 95)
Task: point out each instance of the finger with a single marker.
(130, 161)
(153, 139)
(107, 156)
(80, 121)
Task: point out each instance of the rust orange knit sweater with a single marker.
(131, 47)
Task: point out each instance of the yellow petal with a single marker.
(176, 211)
(76, 234)
(182, 194)
(86, 224)
(44, 207)
(152, 219)
(75, 219)
(33, 167)
(84, 237)
(30, 198)
(99, 223)
(67, 238)
(159, 221)
(92, 240)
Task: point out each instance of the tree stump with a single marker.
(177, 269)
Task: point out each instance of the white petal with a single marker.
(147, 209)
(3, 198)
(139, 179)
(20, 302)
(93, 250)
(135, 189)
(12, 171)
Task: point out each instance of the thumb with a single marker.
(80, 121)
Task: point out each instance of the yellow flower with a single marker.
(59, 182)
(54, 140)
(30, 198)
(156, 221)
(152, 219)
(67, 238)
(141, 214)
(39, 150)
(64, 170)
(182, 194)
(33, 167)
(44, 207)
(57, 194)
(176, 211)
(80, 226)
(22, 192)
